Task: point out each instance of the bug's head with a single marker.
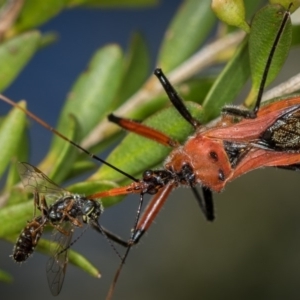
(202, 160)
(91, 211)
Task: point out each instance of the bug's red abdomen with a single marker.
(258, 158)
(248, 130)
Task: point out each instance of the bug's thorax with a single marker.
(207, 159)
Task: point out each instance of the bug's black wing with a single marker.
(57, 263)
(35, 180)
(284, 133)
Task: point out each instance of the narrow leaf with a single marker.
(36, 12)
(5, 277)
(135, 70)
(252, 6)
(93, 93)
(228, 84)
(59, 161)
(22, 154)
(264, 29)
(13, 218)
(10, 135)
(188, 30)
(296, 35)
(196, 89)
(15, 54)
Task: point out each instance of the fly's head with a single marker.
(91, 211)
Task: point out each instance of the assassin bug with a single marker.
(64, 215)
(242, 141)
(214, 156)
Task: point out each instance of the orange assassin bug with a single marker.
(241, 141)
(227, 131)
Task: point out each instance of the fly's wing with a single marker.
(34, 180)
(57, 264)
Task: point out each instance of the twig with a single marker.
(288, 87)
(9, 12)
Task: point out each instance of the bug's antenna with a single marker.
(129, 245)
(47, 126)
(102, 231)
(99, 228)
(269, 61)
(73, 242)
(116, 277)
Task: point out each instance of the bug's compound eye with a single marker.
(88, 207)
(187, 174)
(221, 175)
(152, 190)
(214, 156)
(147, 174)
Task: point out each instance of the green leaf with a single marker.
(100, 147)
(287, 4)
(16, 195)
(48, 39)
(81, 166)
(11, 131)
(114, 3)
(264, 29)
(15, 54)
(296, 35)
(59, 161)
(192, 90)
(231, 12)
(228, 84)
(92, 95)
(81, 262)
(188, 30)
(252, 6)
(5, 277)
(22, 154)
(36, 12)
(19, 213)
(135, 71)
(196, 89)
(135, 154)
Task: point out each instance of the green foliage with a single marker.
(115, 81)
(15, 53)
(12, 128)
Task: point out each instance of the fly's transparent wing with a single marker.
(57, 263)
(34, 180)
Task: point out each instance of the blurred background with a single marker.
(251, 251)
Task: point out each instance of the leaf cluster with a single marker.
(119, 82)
